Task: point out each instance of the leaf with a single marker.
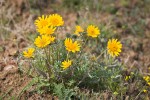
(58, 90)
(62, 92)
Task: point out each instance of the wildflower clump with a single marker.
(86, 59)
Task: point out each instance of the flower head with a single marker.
(115, 93)
(28, 53)
(56, 20)
(145, 91)
(66, 64)
(42, 22)
(127, 78)
(93, 31)
(47, 30)
(43, 41)
(114, 47)
(72, 46)
(147, 79)
(78, 30)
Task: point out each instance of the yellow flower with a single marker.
(115, 93)
(127, 78)
(147, 79)
(28, 53)
(47, 30)
(66, 64)
(145, 91)
(43, 41)
(78, 30)
(72, 46)
(93, 31)
(56, 20)
(114, 47)
(42, 21)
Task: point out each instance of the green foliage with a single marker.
(89, 71)
(62, 92)
(92, 67)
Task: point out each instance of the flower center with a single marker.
(114, 48)
(73, 47)
(43, 23)
(92, 31)
(55, 21)
(43, 42)
(49, 31)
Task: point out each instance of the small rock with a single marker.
(9, 67)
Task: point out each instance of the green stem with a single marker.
(53, 56)
(57, 51)
(139, 93)
(48, 64)
(49, 54)
(46, 53)
(83, 47)
(85, 41)
(101, 54)
(67, 55)
(30, 67)
(85, 74)
(57, 42)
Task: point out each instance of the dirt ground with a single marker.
(17, 24)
